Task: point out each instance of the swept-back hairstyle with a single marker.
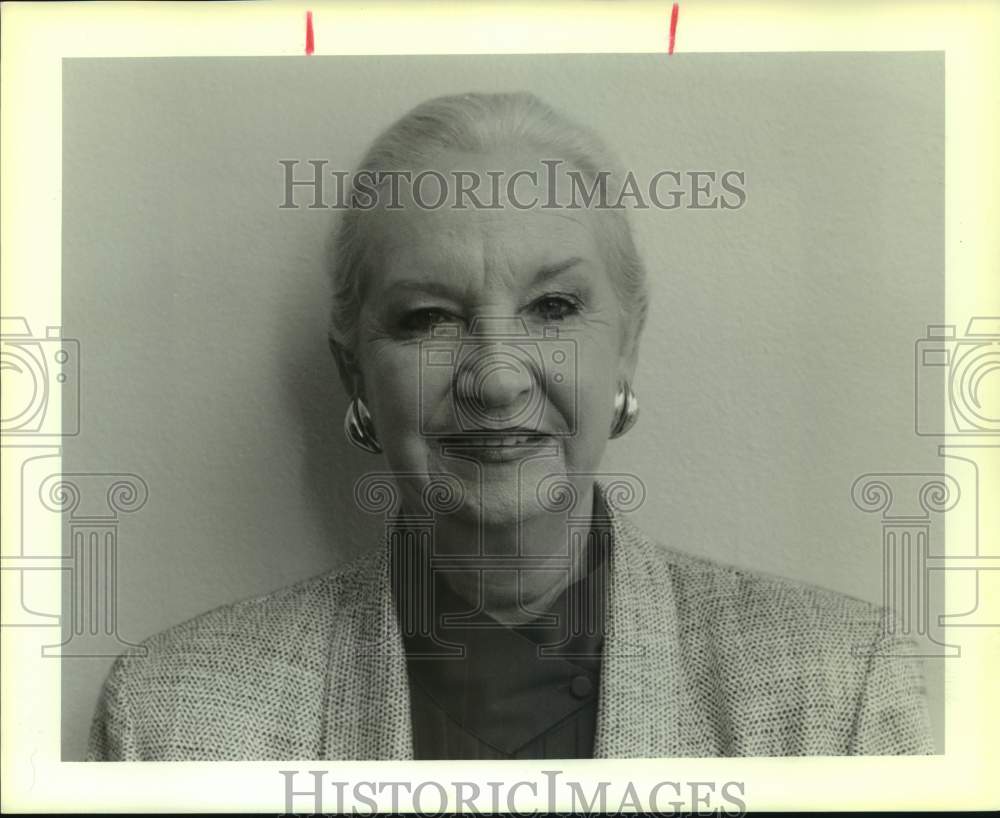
(483, 123)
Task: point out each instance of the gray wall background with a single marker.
(776, 368)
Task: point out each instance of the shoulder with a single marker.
(276, 623)
(797, 669)
(761, 597)
(754, 625)
(704, 588)
(244, 680)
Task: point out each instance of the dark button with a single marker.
(581, 687)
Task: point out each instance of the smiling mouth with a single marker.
(497, 449)
(496, 441)
(504, 440)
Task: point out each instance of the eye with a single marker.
(425, 319)
(556, 306)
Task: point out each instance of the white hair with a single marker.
(483, 123)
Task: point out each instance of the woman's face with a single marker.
(489, 346)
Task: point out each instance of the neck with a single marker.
(516, 570)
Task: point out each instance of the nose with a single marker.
(496, 385)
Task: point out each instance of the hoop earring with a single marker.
(359, 429)
(626, 411)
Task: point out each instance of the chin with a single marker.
(500, 505)
(502, 494)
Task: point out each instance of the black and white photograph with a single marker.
(501, 407)
(495, 328)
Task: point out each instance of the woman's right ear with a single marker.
(347, 367)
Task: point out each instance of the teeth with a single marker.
(498, 442)
(505, 441)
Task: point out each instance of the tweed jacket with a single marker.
(699, 660)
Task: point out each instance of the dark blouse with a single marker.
(483, 690)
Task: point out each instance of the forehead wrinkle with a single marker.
(481, 256)
(451, 258)
(478, 257)
(499, 261)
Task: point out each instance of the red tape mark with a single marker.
(673, 28)
(310, 43)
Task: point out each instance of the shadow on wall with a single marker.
(329, 465)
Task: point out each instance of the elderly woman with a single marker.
(487, 337)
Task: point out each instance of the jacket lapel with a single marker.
(648, 708)
(368, 701)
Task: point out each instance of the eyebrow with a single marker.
(443, 290)
(552, 270)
